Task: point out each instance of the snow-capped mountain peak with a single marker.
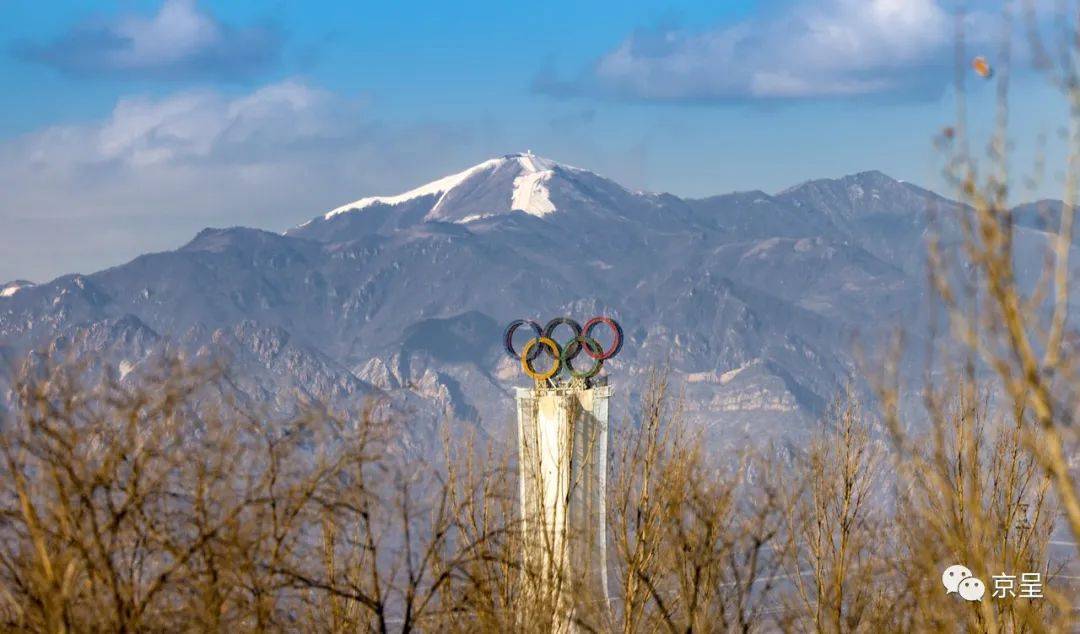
(531, 193)
(534, 163)
(514, 182)
(440, 186)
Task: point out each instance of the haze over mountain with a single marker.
(753, 300)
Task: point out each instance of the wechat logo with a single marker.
(958, 578)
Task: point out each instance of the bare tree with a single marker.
(691, 542)
(837, 524)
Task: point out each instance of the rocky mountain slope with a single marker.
(752, 299)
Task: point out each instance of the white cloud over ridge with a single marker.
(829, 48)
(178, 40)
(142, 134)
(157, 169)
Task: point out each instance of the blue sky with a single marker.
(127, 126)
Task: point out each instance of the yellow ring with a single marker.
(526, 364)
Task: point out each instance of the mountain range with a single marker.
(752, 300)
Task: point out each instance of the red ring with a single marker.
(615, 329)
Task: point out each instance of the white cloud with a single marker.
(158, 169)
(830, 48)
(178, 31)
(179, 39)
(143, 132)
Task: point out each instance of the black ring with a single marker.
(558, 321)
(508, 338)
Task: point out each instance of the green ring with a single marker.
(567, 358)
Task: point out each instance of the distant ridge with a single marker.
(752, 300)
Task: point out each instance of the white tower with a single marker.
(562, 442)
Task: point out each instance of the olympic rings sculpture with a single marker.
(563, 356)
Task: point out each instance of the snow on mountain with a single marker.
(513, 190)
(515, 182)
(433, 188)
(531, 194)
(9, 289)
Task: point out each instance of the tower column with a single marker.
(562, 442)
